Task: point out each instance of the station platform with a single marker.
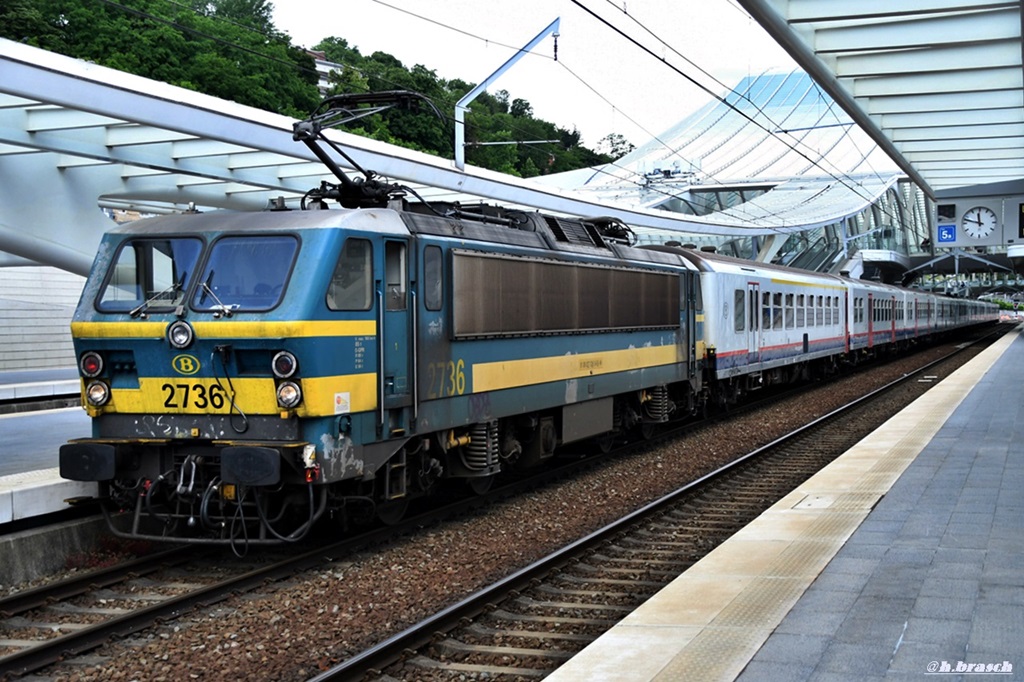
(36, 493)
(902, 558)
(32, 384)
(30, 482)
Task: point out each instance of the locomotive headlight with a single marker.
(91, 364)
(180, 334)
(97, 393)
(284, 365)
(289, 394)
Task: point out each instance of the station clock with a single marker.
(979, 222)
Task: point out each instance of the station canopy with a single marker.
(938, 84)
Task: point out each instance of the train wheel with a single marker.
(480, 484)
(605, 442)
(648, 430)
(393, 511)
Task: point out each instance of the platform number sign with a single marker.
(1020, 220)
(945, 226)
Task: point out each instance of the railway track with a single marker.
(67, 618)
(528, 624)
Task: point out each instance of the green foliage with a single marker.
(231, 49)
(225, 48)
(615, 145)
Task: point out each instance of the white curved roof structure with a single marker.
(777, 132)
(938, 84)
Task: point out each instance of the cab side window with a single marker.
(433, 278)
(351, 286)
(395, 284)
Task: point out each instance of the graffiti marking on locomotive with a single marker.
(342, 403)
(339, 457)
(480, 407)
(185, 364)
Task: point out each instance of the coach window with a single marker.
(776, 311)
(433, 278)
(790, 314)
(766, 310)
(800, 310)
(738, 308)
(351, 285)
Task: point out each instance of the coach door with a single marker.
(892, 319)
(395, 336)
(754, 319)
(871, 320)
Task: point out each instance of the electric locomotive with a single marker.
(248, 374)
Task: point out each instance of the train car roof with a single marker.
(377, 220)
(715, 262)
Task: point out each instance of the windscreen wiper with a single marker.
(140, 310)
(205, 286)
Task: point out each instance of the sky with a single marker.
(601, 83)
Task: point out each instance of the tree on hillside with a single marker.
(225, 48)
(615, 145)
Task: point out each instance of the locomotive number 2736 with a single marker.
(198, 396)
(447, 378)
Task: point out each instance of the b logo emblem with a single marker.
(185, 364)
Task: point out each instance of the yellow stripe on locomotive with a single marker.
(228, 329)
(494, 376)
(322, 396)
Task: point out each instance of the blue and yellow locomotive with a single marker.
(248, 374)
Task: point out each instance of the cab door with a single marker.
(394, 312)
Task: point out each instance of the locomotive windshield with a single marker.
(150, 274)
(245, 273)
